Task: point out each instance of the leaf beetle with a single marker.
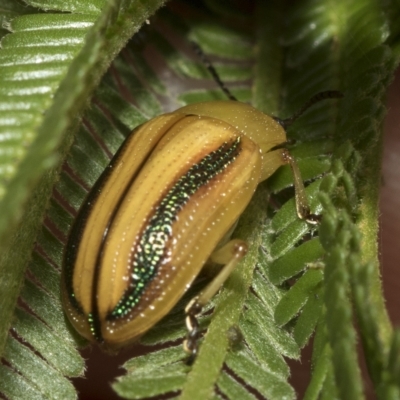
(163, 207)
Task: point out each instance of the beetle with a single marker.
(163, 207)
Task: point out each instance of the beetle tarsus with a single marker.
(190, 344)
(313, 219)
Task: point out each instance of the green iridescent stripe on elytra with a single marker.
(150, 250)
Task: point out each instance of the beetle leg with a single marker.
(229, 254)
(302, 205)
(272, 161)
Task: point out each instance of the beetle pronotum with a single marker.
(162, 208)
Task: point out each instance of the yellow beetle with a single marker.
(161, 209)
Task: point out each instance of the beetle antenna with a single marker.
(328, 94)
(206, 61)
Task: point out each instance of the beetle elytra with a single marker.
(161, 209)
